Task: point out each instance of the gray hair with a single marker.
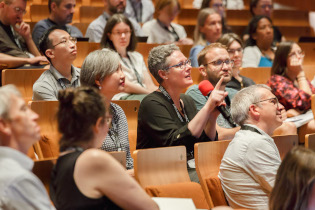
(6, 93)
(157, 59)
(98, 65)
(243, 99)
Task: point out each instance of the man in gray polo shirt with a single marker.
(19, 187)
(61, 50)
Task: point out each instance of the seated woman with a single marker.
(219, 7)
(85, 177)
(167, 117)
(289, 84)
(296, 177)
(119, 36)
(259, 51)
(101, 69)
(234, 46)
(207, 30)
(162, 29)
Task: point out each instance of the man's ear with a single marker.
(50, 53)
(203, 71)
(53, 6)
(254, 112)
(163, 74)
(5, 128)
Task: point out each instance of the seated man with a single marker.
(60, 13)
(213, 61)
(140, 10)
(61, 50)
(96, 29)
(250, 163)
(15, 36)
(19, 187)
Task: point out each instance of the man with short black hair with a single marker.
(60, 14)
(61, 50)
(19, 187)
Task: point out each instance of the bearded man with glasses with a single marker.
(61, 50)
(16, 42)
(250, 163)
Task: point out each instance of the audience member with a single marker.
(120, 36)
(85, 177)
(218, 6)
(19, 187)
(263, 7)
(167, 117)
(60, 14)
(289, 84)
(101, 69)
(95, 30)
(140, 10)
(162, 29)
(61, 50)
(251, 161)
(234, 46)
(212, 59)
(207, 30)
(296, 177)
(16, 39)
(229, 4)
(258, 51)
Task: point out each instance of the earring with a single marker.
(99, 87)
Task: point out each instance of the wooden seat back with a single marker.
(208, 156)
(259, 75)
(23, 79)
(310, 141)
(90, 13)
(131, 109)
(83, 49)
(120, 157)
(161, 166)
(49, 143)
(285, 143)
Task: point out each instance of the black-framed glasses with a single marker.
(19, 11)
(181, 65)
(273, 100)
(233, 51)
(66, 41)
(219, 63)
(264, 6)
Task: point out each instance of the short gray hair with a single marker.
(98, 65)
(243, 99)
(157, 59)
(6, 93)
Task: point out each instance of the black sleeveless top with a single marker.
(65, 193)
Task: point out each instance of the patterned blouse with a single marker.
(290, 96)
(117, 137)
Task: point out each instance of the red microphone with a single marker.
(206, 88)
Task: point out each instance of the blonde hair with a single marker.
(199, 37)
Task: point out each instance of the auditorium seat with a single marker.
(90, 13)
(162, 172)
(259, 75)
(23, 79)
(285, 143)
(83, 49)
(310, 141)
(49, 143)
(131, 108)
(208, 156)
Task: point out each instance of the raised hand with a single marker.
(24, 30)
(217, 96)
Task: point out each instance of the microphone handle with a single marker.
(226, 114)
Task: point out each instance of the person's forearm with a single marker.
(134, 88)
(32, 47)
(11, 61)
(303, 84)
